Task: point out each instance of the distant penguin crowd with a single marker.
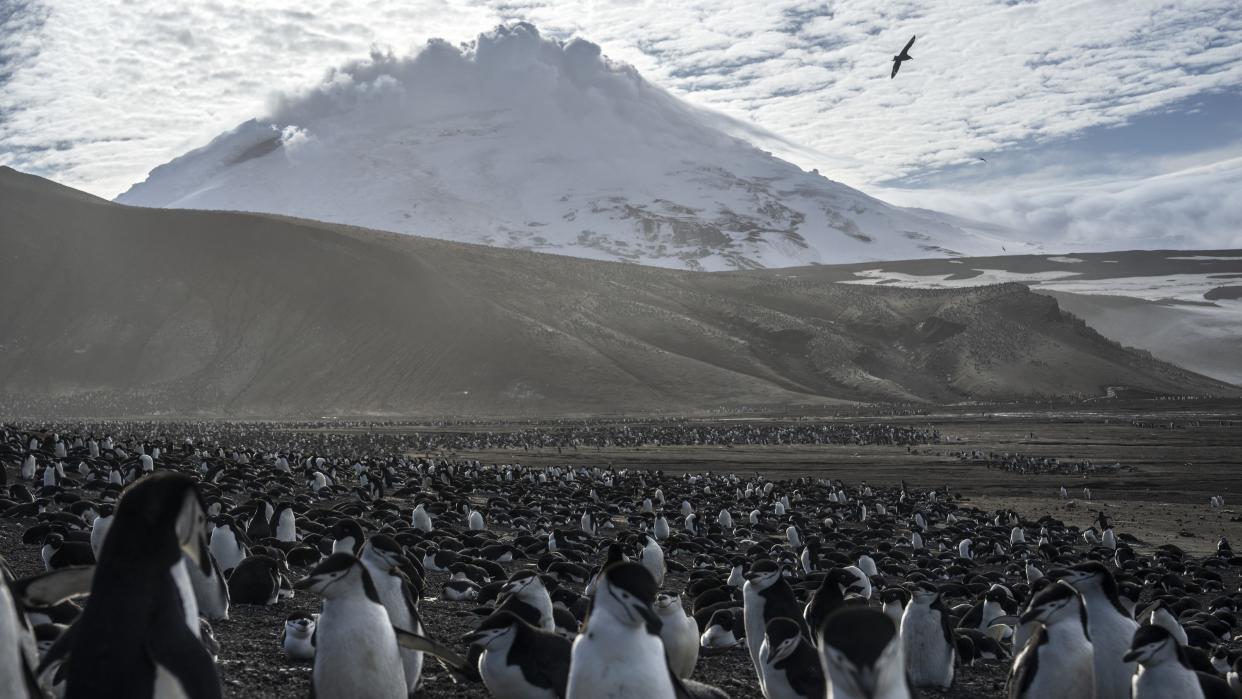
(581, 582)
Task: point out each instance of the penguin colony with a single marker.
(585, 582)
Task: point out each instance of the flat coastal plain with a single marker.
(1154, 471)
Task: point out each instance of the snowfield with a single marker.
(524, 142)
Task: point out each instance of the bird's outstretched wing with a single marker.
(896, 67)
(911, 43)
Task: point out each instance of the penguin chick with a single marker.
(297, 638)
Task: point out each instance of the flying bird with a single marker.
(903, 56)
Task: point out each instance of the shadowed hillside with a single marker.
(111, 310)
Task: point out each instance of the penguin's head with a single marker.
(384, 548)
(924, 593)
(299, 624)
(764, 573)
(333, 577)
(348, 537)
(1085, 573)
(859, 651)
(895, 595)
(998, 594)
(1053, 602)
(1153, 644)
(783, 637)
(497, 630)
(165, 506)
(520, 582)
(627, 591)
(666, 603)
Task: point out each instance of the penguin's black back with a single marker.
(134, 617)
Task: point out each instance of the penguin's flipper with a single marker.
(32, 682)
(454, 663)
(50, 589)
(170, 645)
(59, 650)
(689, 689)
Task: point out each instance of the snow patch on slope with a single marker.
(520, 141)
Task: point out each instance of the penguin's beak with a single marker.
(649, 615)
(474, 637)
(305, 583)
(508, 588)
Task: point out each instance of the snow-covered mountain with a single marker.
(520, 141)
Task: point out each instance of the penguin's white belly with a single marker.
(681, 643)
(1167, 682)
(299, 647)
(167, 686)
(14, 644)
(286, 527)
(625, 664)
(928, 657)
(776, 685)
(356, 653)
(1065, 669)
(189, 601)
(506, 681)
(1111, 637)
(717, 637)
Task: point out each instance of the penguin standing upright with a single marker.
(927, 639)
(1164, 671)
(790, 663)
(619, 653)
(99, 528)
(284, 523)
(421, 519)
(356, 652)
(1058, 657)
(18, 655)
(1109, 625)
(766, 596)
(652, 558)
(679, 633)
(142, 601)
(398, 598)
(861, 655)
(229, 545)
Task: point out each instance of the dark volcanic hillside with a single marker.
(111, 310)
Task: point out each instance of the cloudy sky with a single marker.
(1086, 124)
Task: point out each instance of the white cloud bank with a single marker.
(1197, 207)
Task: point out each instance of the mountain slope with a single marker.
(117, 310)
(1183, 306)
(523, 142)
